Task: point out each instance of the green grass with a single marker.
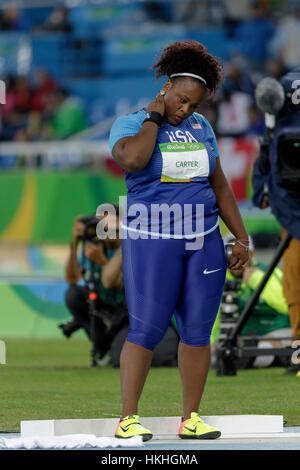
(51, 379)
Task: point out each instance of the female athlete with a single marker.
(173, 254)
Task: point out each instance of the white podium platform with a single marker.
(231, 426)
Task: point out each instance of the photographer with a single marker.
(100, 263)
(269, 315)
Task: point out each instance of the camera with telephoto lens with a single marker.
(89, 234)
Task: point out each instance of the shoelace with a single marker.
(197, 420)
(135, 425)
(131, 422)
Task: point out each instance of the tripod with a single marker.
(94, 313)
(228, 350)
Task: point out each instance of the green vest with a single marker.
(109, 296)
(271, 310)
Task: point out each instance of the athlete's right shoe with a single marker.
(130, 426)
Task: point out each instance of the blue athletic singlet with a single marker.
(177, 173)
(163, 275)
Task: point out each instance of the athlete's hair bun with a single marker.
(190, 57)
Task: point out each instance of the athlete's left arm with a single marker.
(230, 214)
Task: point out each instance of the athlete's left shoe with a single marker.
(195, 428)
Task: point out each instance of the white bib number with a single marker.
(183, 162)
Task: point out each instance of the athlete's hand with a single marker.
(238, 259)
(157, 105)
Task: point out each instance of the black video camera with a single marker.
(276, 174)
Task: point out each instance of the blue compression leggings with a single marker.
(163, 278)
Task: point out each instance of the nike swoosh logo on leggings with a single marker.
(213, 271)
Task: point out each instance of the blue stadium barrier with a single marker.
(90, 21)
(135, 54)
(215, 40)
(48, 51)
(10, 45)
(138, 53)
(38, 15)
(63, 56)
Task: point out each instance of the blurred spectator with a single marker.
(10, 123)
(40, 108)
(237, 78)
(11, 19)
(15, 111)
(256, 125)
(10, 97)
(23, 95)
(233, 119)
(252, 36)
(192, 13)
(58, 21)
(44, 85)
(210, 110)
(12, 161)
(21, 135)
(66, 115)
(237, 9)
(274, 68)
(36, 107)
(156, 11)
(285, 43)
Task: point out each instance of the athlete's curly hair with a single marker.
(192, 57)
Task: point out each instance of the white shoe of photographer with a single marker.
(104, 361)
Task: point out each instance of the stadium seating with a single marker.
(107, 55)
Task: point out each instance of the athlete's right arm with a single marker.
(132, 153)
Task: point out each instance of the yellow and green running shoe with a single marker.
(131, 426)
(196, 428)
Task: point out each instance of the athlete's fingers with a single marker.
(235, 264)
(237, 271)
(238, 265)
(238, 258)
(233, 260)
(158, 104)
(159, 97)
